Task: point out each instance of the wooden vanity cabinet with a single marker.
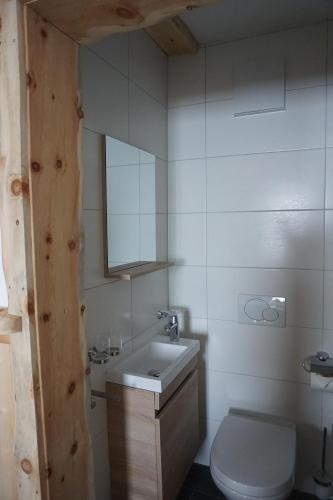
(153, 438)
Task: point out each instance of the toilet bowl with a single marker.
(253, 457)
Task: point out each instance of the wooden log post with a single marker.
(54, 120)
(40, 209)
(16, 248)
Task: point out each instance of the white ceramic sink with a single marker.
(155, 365)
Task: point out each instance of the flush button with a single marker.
(262, 310)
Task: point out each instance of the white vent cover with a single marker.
(259, 85)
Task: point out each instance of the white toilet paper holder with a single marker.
(320, 363)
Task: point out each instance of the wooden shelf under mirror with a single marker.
(133, 272)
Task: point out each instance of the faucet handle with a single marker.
(161, 314)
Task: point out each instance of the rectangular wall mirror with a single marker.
(130, 218)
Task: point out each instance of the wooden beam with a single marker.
(89, 20)
(55, 119)
(173, 37)
(17, 255)
(8, 488)
(9, 323)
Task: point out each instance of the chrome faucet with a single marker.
(172, 328)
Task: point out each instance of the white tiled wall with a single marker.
(250, 201)
(124, 89)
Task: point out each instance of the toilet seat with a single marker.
(254, 456)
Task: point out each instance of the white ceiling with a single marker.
(234, 19)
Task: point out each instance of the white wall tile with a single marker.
(147, 123)
(300, 126)
(330, 53)
(329, 239)
(93, 165)
(328, 300)
(329, 178)
(161, 174)
(208, 430)
(265, 351)
(123, 238)
(114, 50)
(329, 125)
(186, 132)
(104, 95)
(195, 328)
(292, 180)
(148, 237)
(187, 239)
(266, 239)
(123, 195)
(147, 188)
(93, 248)
(162, 236)
(303, 291)
(148, 65)
(149, 294)
(219, 62)
(187, 290)
(109, 312)
(296, 402)
(186, 79)
(187, 186)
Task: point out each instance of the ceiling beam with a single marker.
(173, 37)
(87, 21)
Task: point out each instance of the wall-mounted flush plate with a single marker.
(262, 310)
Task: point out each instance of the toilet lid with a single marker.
(254, 457)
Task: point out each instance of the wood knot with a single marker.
(31, 82)
(74, 448)
(31, 308)
(48, 239)
(45, 317)
(30, 303)
(80, 112)
(127, 13)
(53, 97)
(71, 245)
(43, 33)
(58, 164)
(71, 387)
(19, 186)
(62, 480)
(17, 222)
(48, 471)
(35, 166)
(26, 466)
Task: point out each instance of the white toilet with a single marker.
(253, 457)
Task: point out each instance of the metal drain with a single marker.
(154, 373)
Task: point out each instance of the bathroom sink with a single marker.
(155, 365)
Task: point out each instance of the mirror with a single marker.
(129, 206)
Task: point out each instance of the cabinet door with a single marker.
(177, 436)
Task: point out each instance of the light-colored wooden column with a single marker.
(54, 122)
(40, 205)
(16, 247)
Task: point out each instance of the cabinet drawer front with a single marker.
(177, 437)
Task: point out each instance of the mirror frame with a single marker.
(110, 271)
